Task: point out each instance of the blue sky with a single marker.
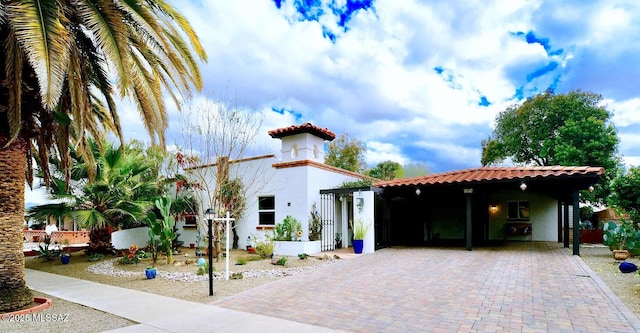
(417, 81)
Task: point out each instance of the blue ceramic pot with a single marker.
(150, 273)
(357, 245)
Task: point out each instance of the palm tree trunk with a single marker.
(14, 293)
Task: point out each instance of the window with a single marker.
(266, 210)
(518, 210)
(190, 220)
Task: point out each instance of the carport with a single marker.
(474, 207)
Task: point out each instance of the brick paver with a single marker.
(519, 287)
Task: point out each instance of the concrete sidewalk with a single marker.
(156, 313)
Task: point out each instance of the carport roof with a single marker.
(486, 174)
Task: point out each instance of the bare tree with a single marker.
(218, 133)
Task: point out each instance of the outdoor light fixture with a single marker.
(210, 214)
(494, 208)
(590, 189)
(523, 186)
(360, 203)
(418, 191)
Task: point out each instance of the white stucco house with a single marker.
(470, 207)
(289, 183)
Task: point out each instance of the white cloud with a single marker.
(625, 113)
(378, 81)
(379, 152)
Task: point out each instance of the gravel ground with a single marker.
(83, 319)
(63, 316)
(625, 285)
(172, 280)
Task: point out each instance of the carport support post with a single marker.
(576, 222)
(559, 221)
(468, 193)
(565, 218)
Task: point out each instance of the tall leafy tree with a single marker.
(58, 62)
(346, 153)
(625, 194)
(416, 169)
(556, 129)
(387, 170)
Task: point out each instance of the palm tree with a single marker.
(123, 190)
(56, 91)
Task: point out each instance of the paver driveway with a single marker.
(520, 287)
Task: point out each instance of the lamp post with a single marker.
(210, 214)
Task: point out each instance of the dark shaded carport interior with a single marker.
(405, 216)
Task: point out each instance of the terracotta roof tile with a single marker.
(304, 128)
(493, 174)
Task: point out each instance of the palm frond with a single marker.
(105, 22)
(89, 219)
(39, 27)
(183, 23)
(13, 69)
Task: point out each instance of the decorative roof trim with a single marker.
(494, 174)
(301, 163)
(310, 128)
(240, 160)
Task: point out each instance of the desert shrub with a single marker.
(133, 256)
(100, 242)
(47, 253)
(315, 224)
(95, 257)
(282, 261)
(263, 246)
(288, 230)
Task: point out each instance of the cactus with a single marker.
(163, 228)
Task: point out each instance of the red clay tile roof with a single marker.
(493, 174)
(304, 128)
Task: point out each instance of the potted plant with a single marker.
(65, 256)
(621, 238)
(150, 272)
(359, 232)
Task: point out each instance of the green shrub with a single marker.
(95, 257)
(204, 269)
(263, 246)
(622, 236)
(282, 261)
(288, 230)
(315, 224)
(264, 250)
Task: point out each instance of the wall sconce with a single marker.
(494, 208)
(418, 191)
(360, 204)
(523, 186)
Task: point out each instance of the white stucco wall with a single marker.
(367, 216)
(295, 190)
(302, 146)
(543, 215)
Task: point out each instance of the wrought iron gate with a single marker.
(328, 216)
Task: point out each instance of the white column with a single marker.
(366, 214)
(345, 222)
